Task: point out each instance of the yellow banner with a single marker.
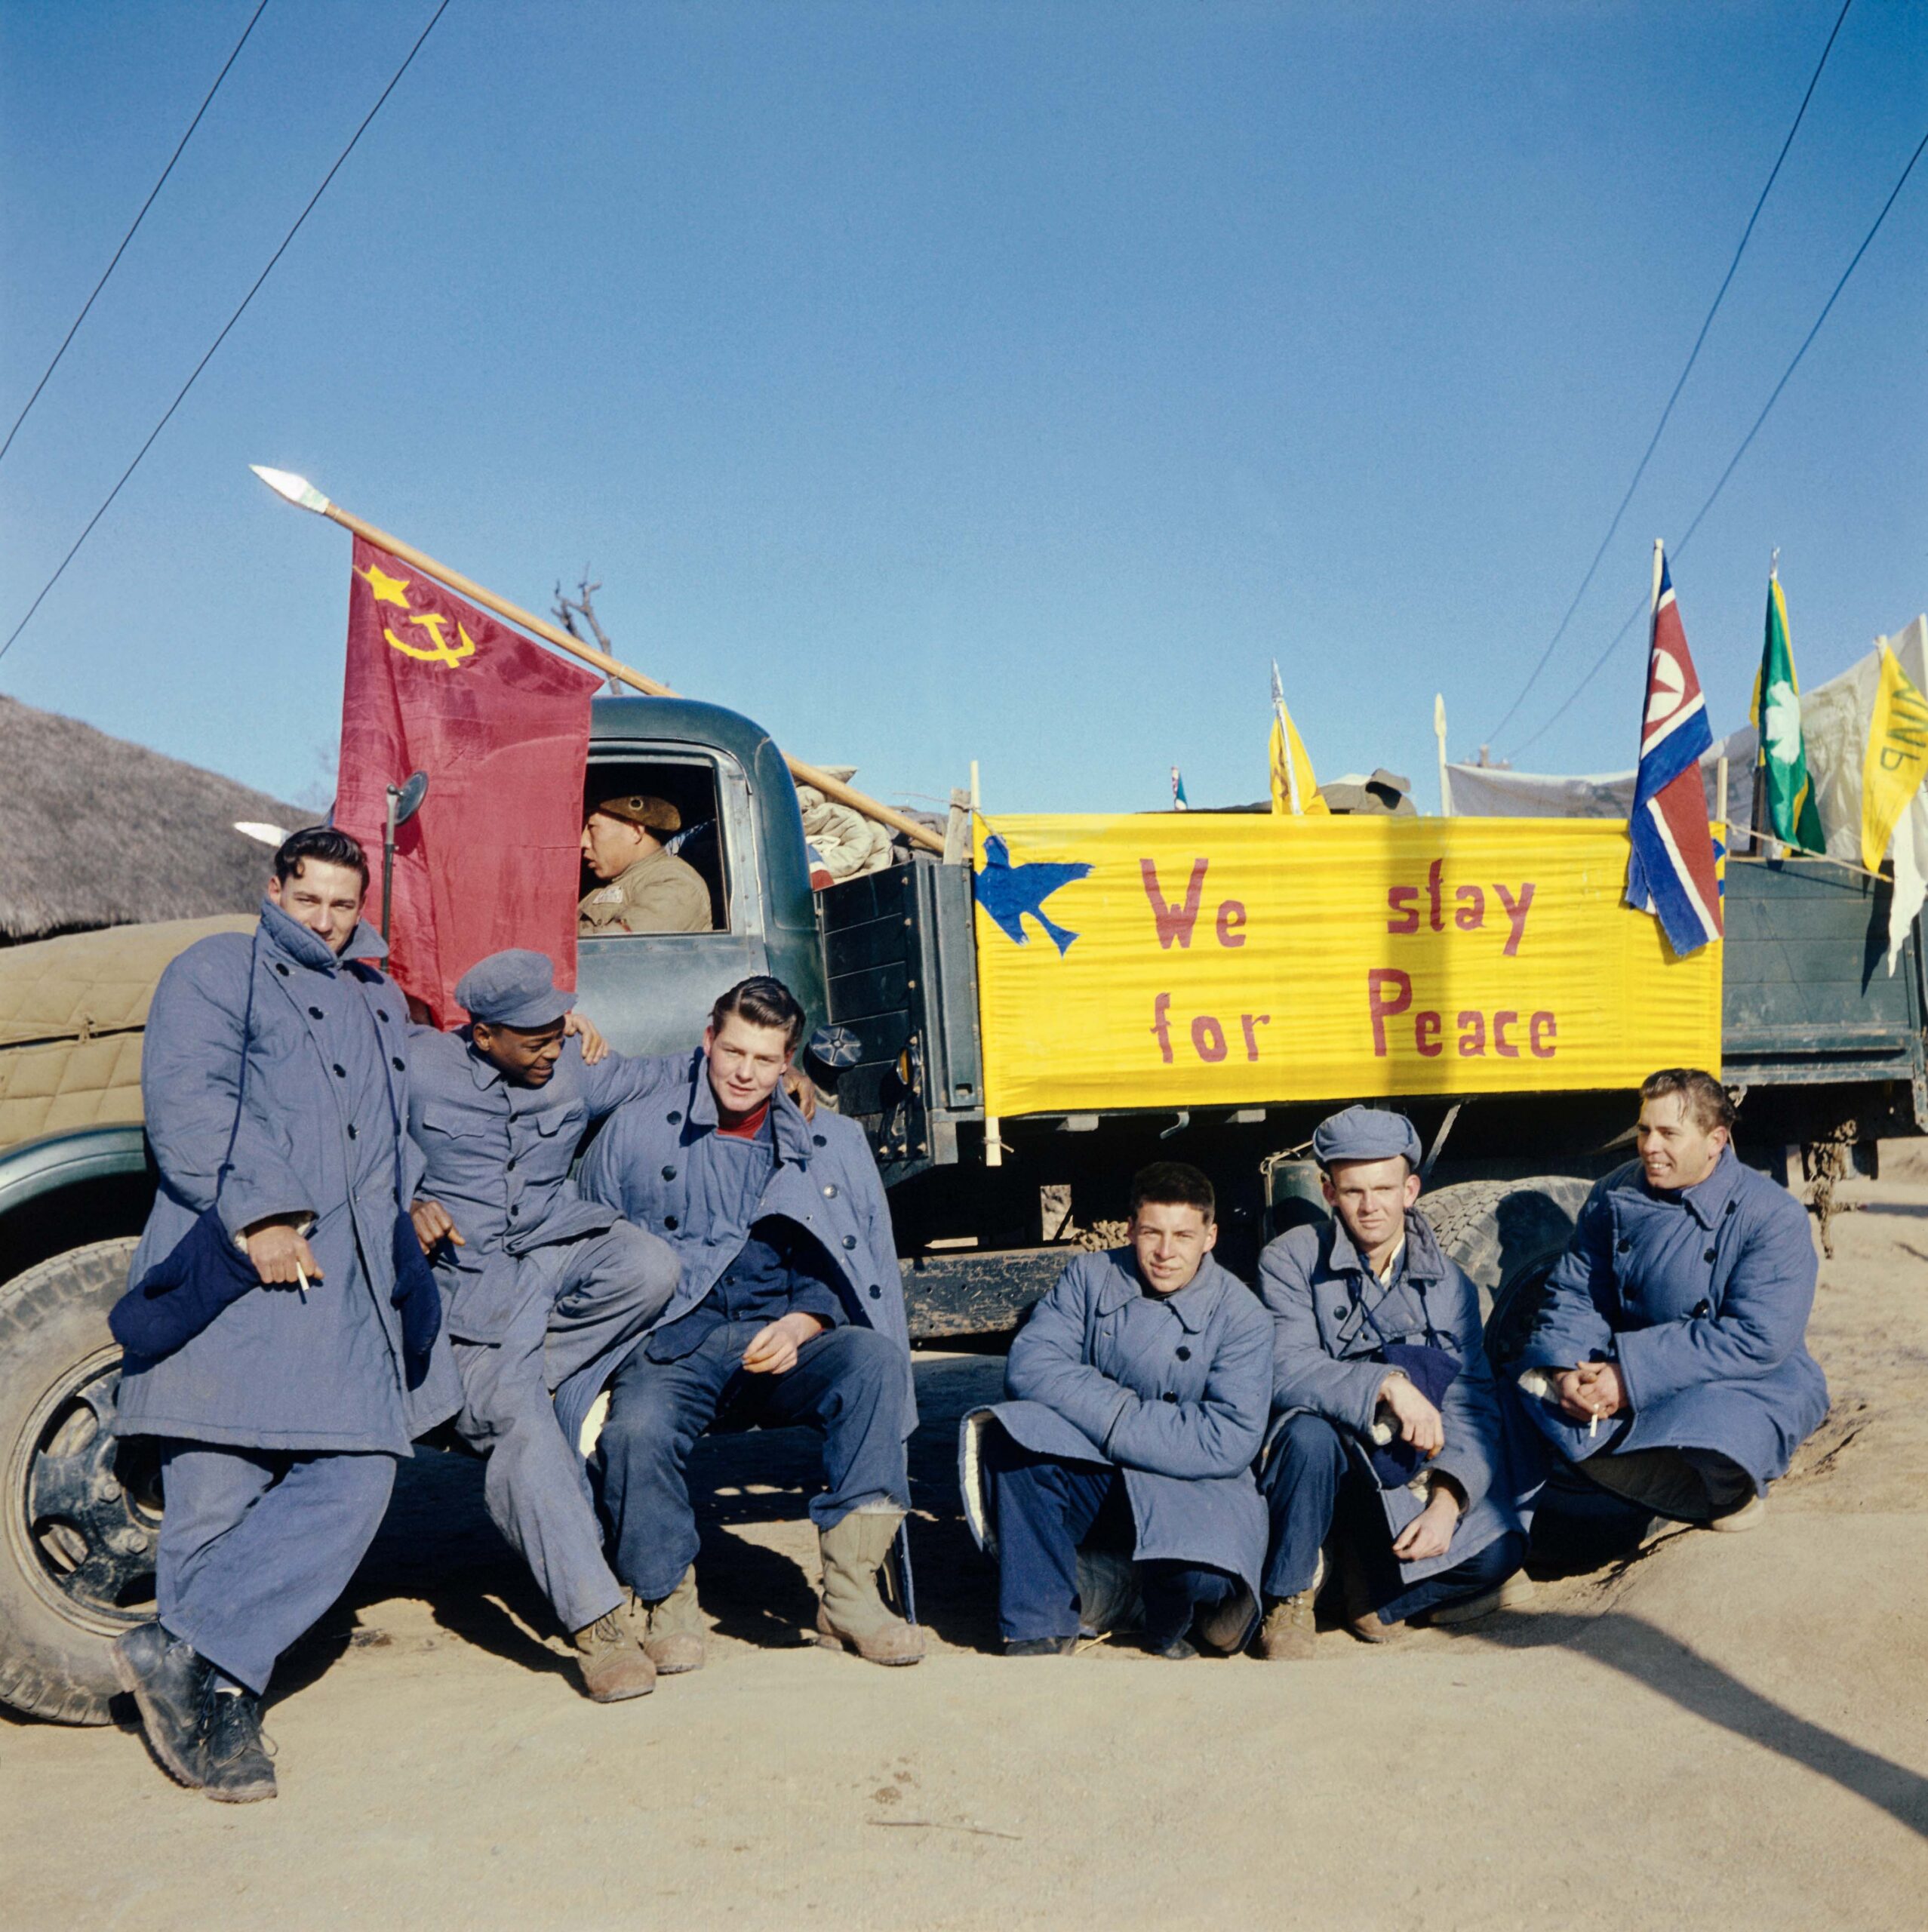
(1150, 961)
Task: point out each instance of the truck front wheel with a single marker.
(82, 1509)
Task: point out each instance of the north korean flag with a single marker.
(1671, 872)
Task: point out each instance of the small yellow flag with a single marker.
(1292, 770)
(1897, 758)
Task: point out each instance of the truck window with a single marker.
(688, 786)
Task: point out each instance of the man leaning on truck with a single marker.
(1668, 1363)
(790, 1311)
(275, 1087)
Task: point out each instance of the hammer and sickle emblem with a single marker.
(439, 650)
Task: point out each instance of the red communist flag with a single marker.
(502, 728)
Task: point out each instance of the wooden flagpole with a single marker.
(299, 491)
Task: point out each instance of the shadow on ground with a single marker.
(437, 1545)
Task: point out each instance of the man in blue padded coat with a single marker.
(281, 1423)
(538, 1282)
(790, 1310)
(1668, 1362)
(1390, 1442)
(1137, 1399)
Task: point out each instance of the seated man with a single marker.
(1667, 1362)
(1389, 1431)
(790, 1311)
(1138, 1391)
(538, 1282)
(646, 889)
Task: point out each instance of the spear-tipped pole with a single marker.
(303, 495)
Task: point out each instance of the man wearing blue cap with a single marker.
(538, 1282)
(1388, 1436)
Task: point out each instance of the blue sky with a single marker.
(943, 382)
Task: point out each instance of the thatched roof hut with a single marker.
(95, 832)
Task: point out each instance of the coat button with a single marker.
(1731, 1205)
(829, 1191)
(669, 1173)
(352, 1135)
(669, 1222)
(849, 1240)
(381, 1016)
(819, 1140)
(400, 1065)
(1170, 1397)
(1702, 1310)
(511, 1167)
(281, 969)
(511, 1214)
(1711, 1255)
(1624, 1246)
(341, 1071)
(1184, 1355)
(675, 1118)
(876, 1293)
(315, 1012)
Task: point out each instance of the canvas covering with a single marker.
(72, 1014)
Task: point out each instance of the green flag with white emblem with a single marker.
(1791, 817)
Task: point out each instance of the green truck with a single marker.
(1828, 1047)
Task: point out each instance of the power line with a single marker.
(394, 81)
(130, 234)
(1734, 460)
(1694, 354)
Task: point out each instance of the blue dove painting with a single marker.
(1008, 892)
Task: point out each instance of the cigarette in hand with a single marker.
(1593, 1425)
(301, 1281)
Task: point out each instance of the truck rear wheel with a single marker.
(1507, 1234)
(82, 1509)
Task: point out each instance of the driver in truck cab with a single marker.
(1389, 1443)
(646, 888)
(1668, 1364)
(790, 1311)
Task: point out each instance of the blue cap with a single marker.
(513, 989)
(1366, 1134)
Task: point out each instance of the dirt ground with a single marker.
(1725, 1730)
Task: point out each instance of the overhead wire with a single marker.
(394, 81)
(1693, 355)
(179, 148)
(1734, 460)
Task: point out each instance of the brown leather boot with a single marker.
(613, 1665)
(852, 1616)
(671, 1628)
(1289, 1634)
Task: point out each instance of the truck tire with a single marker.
(82, 1509)
(1507, 1234)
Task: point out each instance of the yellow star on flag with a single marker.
(388, 589)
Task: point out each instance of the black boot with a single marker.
(168, 1679)
(235, 1763)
